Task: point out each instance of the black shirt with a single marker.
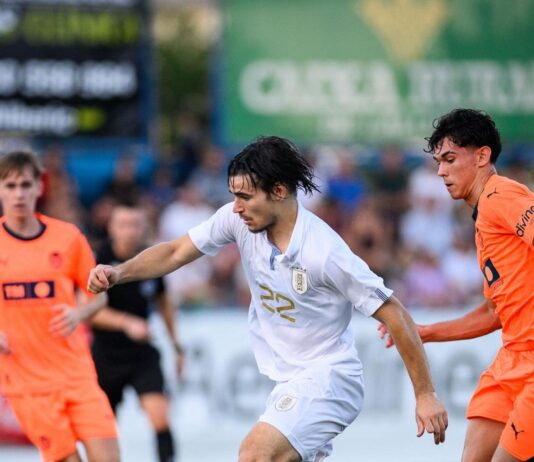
(135, 298)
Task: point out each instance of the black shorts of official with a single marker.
(115, 371)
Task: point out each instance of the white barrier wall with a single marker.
(222, 377)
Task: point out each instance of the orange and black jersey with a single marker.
(35, 275)
(504, 221)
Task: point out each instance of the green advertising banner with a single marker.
(373, 70)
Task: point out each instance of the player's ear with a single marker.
(483, 156)
(279, 191)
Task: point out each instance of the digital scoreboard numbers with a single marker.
(74, 68)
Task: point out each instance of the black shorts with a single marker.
(141, 370)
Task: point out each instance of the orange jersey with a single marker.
(35, 275)
(504, 220)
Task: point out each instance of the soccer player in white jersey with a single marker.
(305, 283)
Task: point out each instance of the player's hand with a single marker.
(65, 320)
(388, 339)
(384, 334)
(101, 278)
(4, 345)
(136, 328)
(431, 416)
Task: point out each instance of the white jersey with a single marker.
(302, 300)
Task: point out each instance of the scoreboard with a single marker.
(75, 68)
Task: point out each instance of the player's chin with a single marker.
(454, 193)
(255, 228)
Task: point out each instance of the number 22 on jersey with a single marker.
(283, 304)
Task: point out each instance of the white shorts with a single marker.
(314, 407)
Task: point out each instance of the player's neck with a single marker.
(478, 186)
(280, 232)
(27, 226)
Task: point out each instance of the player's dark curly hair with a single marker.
(466, 128)
(270, 160)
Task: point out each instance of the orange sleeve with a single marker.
(83, 261)
(515, 211)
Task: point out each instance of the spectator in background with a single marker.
(517, 168)
(346, 185)
(368, 236)
(460, 270)
(191, 285)
(161, 190)
(123, 185)
(390, 185)
(426, 226)
(210, 176)
(227, 282)
(60, 194)
(121, 347)
(99, 216)
(331, 212)
(186, 150)
(425, 284)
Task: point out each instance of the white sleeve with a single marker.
(213, 234)
(349, 274)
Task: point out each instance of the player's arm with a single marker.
(430, 413)
(170, 318)
(514, 209)
(151, 263)
(66, 318)
(478, 322)
(111, 319)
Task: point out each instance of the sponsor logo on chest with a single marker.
(28, 290)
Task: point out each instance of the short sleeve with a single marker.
(514, 209)
(83, 261)
(349, 274)
(213, 234)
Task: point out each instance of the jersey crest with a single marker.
(55, 259)
(300, 280)
(285, 403)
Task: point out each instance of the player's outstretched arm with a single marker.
(156, 261)
(430, 412)
(478, 322)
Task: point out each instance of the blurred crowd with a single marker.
(390, 207)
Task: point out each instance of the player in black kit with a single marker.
(121, 347)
